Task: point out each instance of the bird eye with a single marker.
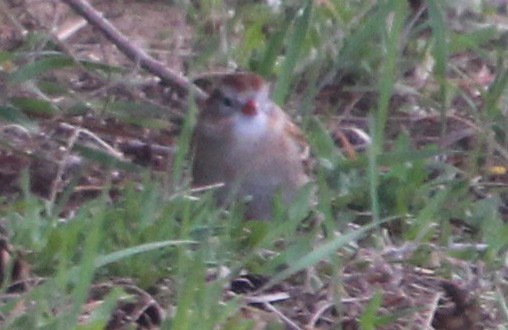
(227, 102)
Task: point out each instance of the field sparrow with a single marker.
(244, 141)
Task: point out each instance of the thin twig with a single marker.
(282, 316)
(266, 298)
(135, 54)
(55, 184)
(317, 315)
(100, 142)
(70, 28)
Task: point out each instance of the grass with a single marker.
(148, 227)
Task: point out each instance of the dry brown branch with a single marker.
(181, 84)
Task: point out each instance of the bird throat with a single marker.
(249, 130)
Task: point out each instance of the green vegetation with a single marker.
(428, 87)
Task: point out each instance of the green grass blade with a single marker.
(440, 52)
(102, 261)
(295, 45)
(184, 141)
(106, 159)
(369, 316)
(320, 253)
(389, 71)
(495, 92)
(35, 106)
(273, 49)
(15, 115)
(86, 268)
(38, 67)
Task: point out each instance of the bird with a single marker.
(247, 144)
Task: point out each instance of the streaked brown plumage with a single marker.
(245, 141)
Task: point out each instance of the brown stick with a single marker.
(181, 84)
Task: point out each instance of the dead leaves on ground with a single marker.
(135, 307)
(410, 297)
(418, 297)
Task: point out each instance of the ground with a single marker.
(93, 161)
